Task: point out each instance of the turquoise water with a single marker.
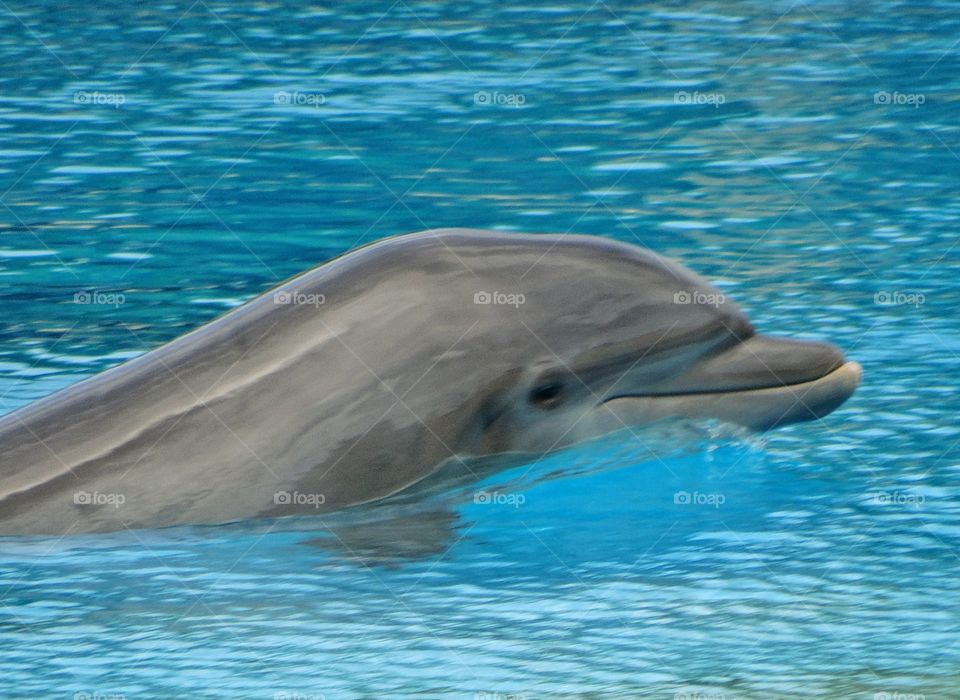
(170, 162)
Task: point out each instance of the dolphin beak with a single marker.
(760, 382)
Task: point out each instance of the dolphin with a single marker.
(358, 379)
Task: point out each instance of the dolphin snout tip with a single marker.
(815, 399)
(849, 375)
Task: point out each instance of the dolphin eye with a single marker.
(547, 395)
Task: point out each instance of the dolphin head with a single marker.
(591, 335)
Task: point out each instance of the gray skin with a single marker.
(396, 373)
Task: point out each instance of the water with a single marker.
(184, 157)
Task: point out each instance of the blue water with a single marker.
(172, 161)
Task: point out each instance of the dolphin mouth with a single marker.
(760, 382)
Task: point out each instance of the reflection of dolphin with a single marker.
(361, 377)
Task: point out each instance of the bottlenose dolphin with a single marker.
(363, 376)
